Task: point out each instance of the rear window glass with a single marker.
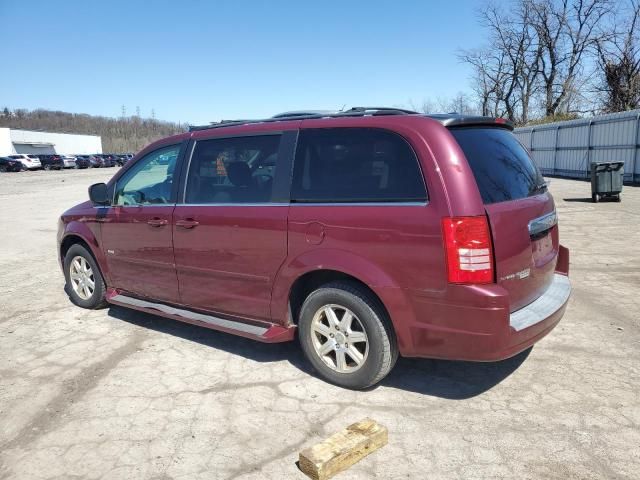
(233, 170)
(354, 165)
(502, 167)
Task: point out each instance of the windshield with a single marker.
(501, 166)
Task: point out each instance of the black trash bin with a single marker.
(606, 180)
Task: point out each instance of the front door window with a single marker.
(149, 181)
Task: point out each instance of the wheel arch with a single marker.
(79, 233)
(314, 279)
(307, 272)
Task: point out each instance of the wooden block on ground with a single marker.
(340, 451)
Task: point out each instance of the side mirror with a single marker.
(98, 194)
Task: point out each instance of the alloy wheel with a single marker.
(82, 279)
(339, 338)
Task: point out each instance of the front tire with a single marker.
(346, 335)
(85, 284)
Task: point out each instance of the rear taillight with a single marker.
(468, 249)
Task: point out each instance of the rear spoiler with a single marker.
(451, 120)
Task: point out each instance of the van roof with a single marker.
(446, 119)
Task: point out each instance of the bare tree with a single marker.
(619, 62)
(567, 32)
(489, 78)
(539, 53)
(460, 103)
(506, 71)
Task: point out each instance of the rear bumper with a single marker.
(478, 325)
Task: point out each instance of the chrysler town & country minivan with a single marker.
(365, 234)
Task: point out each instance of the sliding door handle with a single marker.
(157, 222)
(187, 223)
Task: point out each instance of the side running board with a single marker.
(273, 333)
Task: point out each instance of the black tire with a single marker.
(618, 199)
(594, 197)
(47, 167)
(98, 297)
(382, 348)
(3, 169)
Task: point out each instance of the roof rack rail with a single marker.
(303, 113)
(308, 115)
(379, 111)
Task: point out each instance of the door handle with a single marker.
(157, 222)
(187, 223)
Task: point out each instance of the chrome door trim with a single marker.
(543, 223)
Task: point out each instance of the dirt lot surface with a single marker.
(119, 394)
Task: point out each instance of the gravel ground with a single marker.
(120, 394)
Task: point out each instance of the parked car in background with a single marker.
(92, 160)
(110, 159)
(366, 235)
(30, 162)
(104, 160)
(51, 162)
(82, 161)
(96, 161)
(121, 159)
(11, 165)
(68, 161)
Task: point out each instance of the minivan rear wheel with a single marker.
(346, 336)
(85, 285)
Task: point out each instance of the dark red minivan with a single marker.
(372, 233)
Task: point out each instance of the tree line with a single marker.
(547, 60)
(119, 135)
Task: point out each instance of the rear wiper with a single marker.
(542, 187)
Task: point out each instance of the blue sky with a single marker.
(198, 61)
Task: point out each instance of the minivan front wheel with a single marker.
(346, 336)
(85, 285)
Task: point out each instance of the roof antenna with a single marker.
(342, 108)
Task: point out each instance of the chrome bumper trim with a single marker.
(543, 307)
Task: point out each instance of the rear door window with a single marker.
(501, 166)
(233, 170)
(355, 165)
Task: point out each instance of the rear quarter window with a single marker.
(501, 166)
(355, 165)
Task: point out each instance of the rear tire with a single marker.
(85, 284)
(594, 197)
(353, 347)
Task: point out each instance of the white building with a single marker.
(28, 141)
